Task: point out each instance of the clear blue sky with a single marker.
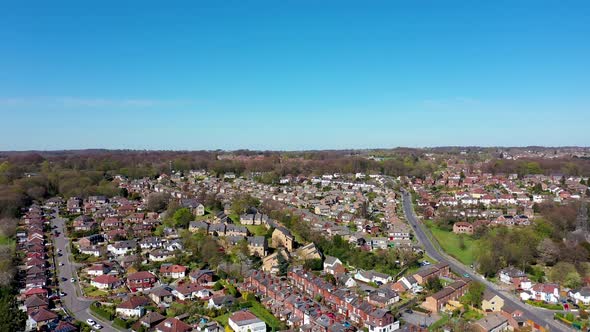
(293, 74)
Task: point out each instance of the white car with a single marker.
(90, 322)
(97, 326)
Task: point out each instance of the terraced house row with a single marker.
(308, 302)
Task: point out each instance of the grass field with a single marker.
(257, 229)
(451, 244)
(97, 293)
(439, 323)
(260, 311)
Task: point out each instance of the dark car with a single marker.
(64, 279)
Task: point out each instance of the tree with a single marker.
(8, 227)
(313, 264)
(182, 217)
(564, 272)
(330, 278)
(7, 268)
(573, 280)
(157, 202)
(11, 317)
(241, 203)
(548, 251)
(474, 294)
(462, 245)
(434, 285)
(283, 264)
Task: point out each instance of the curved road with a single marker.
(76, 305)
(540, 316)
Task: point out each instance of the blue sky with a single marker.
(293, 74)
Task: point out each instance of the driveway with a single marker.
(76, 305)
(419, 318)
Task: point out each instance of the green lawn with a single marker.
(450, 242)
(439, 323)
(96, 293)
(260, 311)
(258, 230)
(472, 315)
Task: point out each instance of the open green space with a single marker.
(261, 312)
(462, 247)
(258, 230)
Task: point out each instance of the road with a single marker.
(76, 305)
(540, 316)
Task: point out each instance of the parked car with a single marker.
(72, 280)
(90, 322)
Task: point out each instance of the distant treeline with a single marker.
(29, 176)
(567, 167)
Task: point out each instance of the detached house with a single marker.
(515, 277)
(173, 325)
(581, 295)
(462, 227)
(194, 206)
(122, 248)
(141, 281)
(133, 308)
(84, 223)
(40, 318)
(245, 321)
(542, 292)
(372, 276)
(201, 276)
(172, 271)
(333, 265)
(106, 282)
(191, 291)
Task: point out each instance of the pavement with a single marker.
(419, 318)
(74, 303)
(541, 317)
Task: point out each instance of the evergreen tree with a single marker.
(11, 318)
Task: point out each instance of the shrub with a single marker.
(101, 312)
(118, 322)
